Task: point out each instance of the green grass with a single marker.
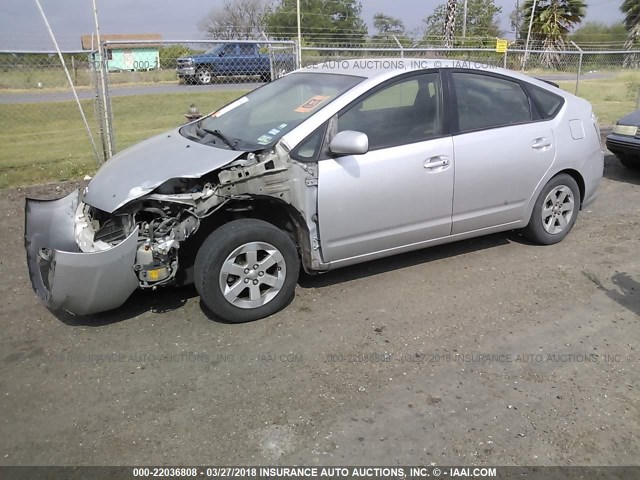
(611, 97)
(43, 142)
(19, 80)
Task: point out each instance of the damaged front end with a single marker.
(64, 277)
(85, 260)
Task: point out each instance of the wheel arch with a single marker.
(579, 180)
(269, 209)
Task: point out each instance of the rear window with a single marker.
(548, 103)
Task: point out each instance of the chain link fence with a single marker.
(39, 116)
(131, 90)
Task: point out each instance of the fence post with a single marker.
(399, 45)
(579, 66)
(504, 60)
(298, 53)
(105, 99)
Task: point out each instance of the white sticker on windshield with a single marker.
(264, 139)
(282, 126)
(229, 107)
(273, 131)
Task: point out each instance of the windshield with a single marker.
(213, 49)
(262, 117)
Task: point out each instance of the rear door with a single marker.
(502, 150)
(400, 192)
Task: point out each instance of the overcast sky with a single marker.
(21, 26)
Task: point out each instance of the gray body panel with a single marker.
(384, 199)
(497, 170)
(81, 283)
(138, 170)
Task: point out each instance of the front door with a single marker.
(400, 192)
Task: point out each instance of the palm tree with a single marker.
(631, 9)
(450, 23)
(552, 22)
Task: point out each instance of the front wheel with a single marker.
(555, 211)
(204, 76)
(245, 270)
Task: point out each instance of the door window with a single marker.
(247, 50)
(229, 51)
(407, 111)
(484, 101)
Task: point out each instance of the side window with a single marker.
(309, 149)
(229, 51)
(547, 103)
(246, 50)
(407, 111)
(486, 102)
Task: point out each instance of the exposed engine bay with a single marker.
(174, 211)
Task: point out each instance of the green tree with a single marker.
(387, 25)
(598, 32)
(482, 21)
(631, 10)
(552, 22)
(322, 21)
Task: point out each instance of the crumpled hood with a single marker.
(138, 170)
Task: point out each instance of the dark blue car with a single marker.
(624, 141)
(233, 60)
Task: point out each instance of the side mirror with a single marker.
(349, 142)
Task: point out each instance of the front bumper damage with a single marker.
(62, 276)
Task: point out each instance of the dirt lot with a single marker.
(491, 351)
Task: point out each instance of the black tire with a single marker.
(215, 252)
(536, 231)
(630, 161)
(204, 75)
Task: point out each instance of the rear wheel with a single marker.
(245, 270)
(204, 75)
(629, 161)
(555, 211)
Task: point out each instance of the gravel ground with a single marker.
(490, 352)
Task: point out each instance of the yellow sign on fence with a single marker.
(501, 45)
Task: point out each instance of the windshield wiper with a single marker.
(222, 136)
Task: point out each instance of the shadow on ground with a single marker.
(626, 290)
(410, 259)
(614, 170)
(171, 299)
(141, 301)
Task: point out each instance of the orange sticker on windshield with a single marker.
(310, 104)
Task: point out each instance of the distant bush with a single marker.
(169, 55)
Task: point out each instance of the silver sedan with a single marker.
(329, 166)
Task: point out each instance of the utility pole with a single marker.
(464, 20)
(299, 36)
(517, 25)
(526, 47)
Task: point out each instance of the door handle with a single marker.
(436, 162)
(541, 143)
